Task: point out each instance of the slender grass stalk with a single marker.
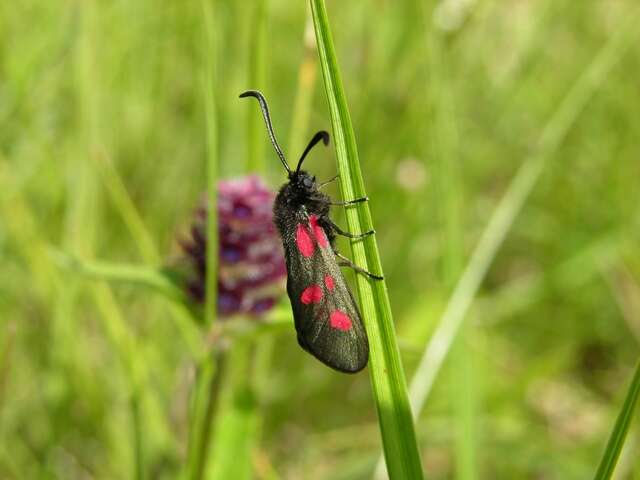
(146, 246)
(6, 357)
(257, 78)
(212, 162)
(81, 225)
(145, 276)
(236, 424)
(237, 420)
(448, 180)
(20, 224)
(510, 206)
(619, 433)
(136, 432)
(122, 273)
(307, 73)
(534, 42)
(203, 406)
(127, 209)
(155, 280)
(81, 207)
(134, 368)
(208, 380)
(573, 273)
(387, 376)
(83, 228)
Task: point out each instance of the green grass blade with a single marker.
(237, 420)
(236, 431)
(508, 209)
(6, 357)
(387, 376)
(127, 209)
(448, 179)
(257, 79)
(206, 388)
(619, 433)
(212, 162)
(145, 244)
(203, 405)
(307, 73)
(122, 273)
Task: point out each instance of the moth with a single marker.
(326, 317)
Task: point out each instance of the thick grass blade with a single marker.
(619, 433)
(387, 377)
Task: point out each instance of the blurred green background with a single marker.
(102, 116)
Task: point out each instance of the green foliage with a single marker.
(619, 433)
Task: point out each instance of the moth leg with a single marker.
(332, 179)
(350, 202)
(345, 262)
(339, 231)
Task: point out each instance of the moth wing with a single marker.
(326, 317)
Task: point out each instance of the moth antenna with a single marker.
(267, 120)
(321, 135)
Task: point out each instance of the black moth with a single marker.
(326, 317)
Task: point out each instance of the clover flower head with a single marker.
(251, 266)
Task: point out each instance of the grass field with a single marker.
(499, 145)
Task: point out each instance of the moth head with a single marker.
(303, 181)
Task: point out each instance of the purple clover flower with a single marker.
(251, 264)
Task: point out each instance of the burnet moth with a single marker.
(325, 314)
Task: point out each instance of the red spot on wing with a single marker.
(318, 232)
(312, 294)
(329, 282)
(340, 320)
(304, 241)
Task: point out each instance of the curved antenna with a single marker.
(321, 135)
(267, 120)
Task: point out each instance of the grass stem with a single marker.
(257, 79)
(619, 433)
(207, 383)
(387, 376)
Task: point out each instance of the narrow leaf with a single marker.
(619, 433)
(387, 376)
